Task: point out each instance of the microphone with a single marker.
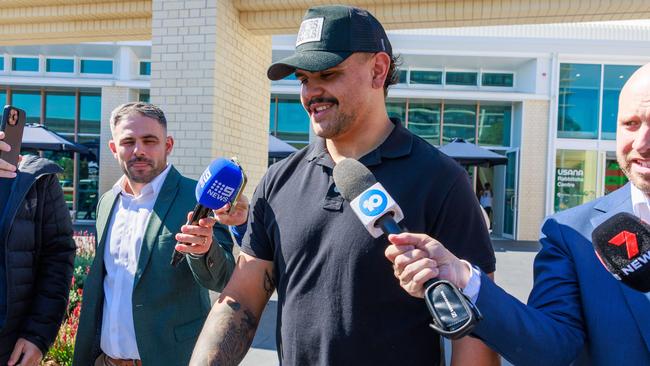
(454, 315)
(222, 182)
(372, 204)
(622, 243)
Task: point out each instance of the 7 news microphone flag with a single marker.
(622, 244)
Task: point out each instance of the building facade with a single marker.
(544, 96)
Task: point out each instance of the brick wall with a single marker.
(209, 76)
(532, 169)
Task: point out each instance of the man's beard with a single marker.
(341, 123)
(639, 181)
(336, 128)
(141, 178)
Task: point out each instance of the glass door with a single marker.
(510, 200)
(614, 176)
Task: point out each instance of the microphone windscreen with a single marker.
(622, 243)
(219, 183)
(352, 178)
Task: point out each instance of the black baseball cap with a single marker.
(330, 34)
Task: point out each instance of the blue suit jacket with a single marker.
(576, 311)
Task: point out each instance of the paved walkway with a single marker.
(514, 273)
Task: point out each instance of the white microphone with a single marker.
(372, 204)
(375, 208)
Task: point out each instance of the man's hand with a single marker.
(197, 238)
(235, 218)
(31, 355)
(6, 170)
(418, 258)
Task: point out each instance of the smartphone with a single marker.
(233, 202)
(13, 124)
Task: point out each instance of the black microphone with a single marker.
(453, 313)
(622, 244)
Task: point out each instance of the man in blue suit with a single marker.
(576, 312)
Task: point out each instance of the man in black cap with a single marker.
(338, 303)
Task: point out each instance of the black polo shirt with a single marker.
(338, 301)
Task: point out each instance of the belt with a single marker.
(116, 362)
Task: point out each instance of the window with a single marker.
(24, 64)
(615, 77)
(89, 127)
(145, 68)
(59, 65)
(90, 106)
(497, 79)
(2, 63)
(424, 120)
(3, 98)
(290, 123)
(144, 96)
(30, 101)
(396, 109)
(88, 184)
(578, 101)
(461, 78)
(459, 122)
(575, 178)
(97, 67)
(64, 159)
(426, 77)
(614, 176)
(494, 125)
(403, 76)
(60, 113)
(60, 108)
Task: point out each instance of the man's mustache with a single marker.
(322, 100)
(139, 160)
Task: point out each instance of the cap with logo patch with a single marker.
(330, 34)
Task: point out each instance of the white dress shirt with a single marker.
(122, 251)
(640, 204)
(641, 208)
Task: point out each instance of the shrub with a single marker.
(62, 350)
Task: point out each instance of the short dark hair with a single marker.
(145, 109)
(392, 77)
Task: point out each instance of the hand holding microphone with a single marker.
(233, 214)
(221, 184)
(418, 258)
(454, 315)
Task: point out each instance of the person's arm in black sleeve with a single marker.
(54, 269)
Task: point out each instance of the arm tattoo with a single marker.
(269, 283)
(226, 336)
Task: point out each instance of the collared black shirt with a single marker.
(338, 301)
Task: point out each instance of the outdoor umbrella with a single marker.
(39, 137)
(469, 154)
(278, 148)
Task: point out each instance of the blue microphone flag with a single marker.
(219, 183)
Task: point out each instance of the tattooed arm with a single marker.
(230, 327)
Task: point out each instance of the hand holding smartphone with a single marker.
(12, 124)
